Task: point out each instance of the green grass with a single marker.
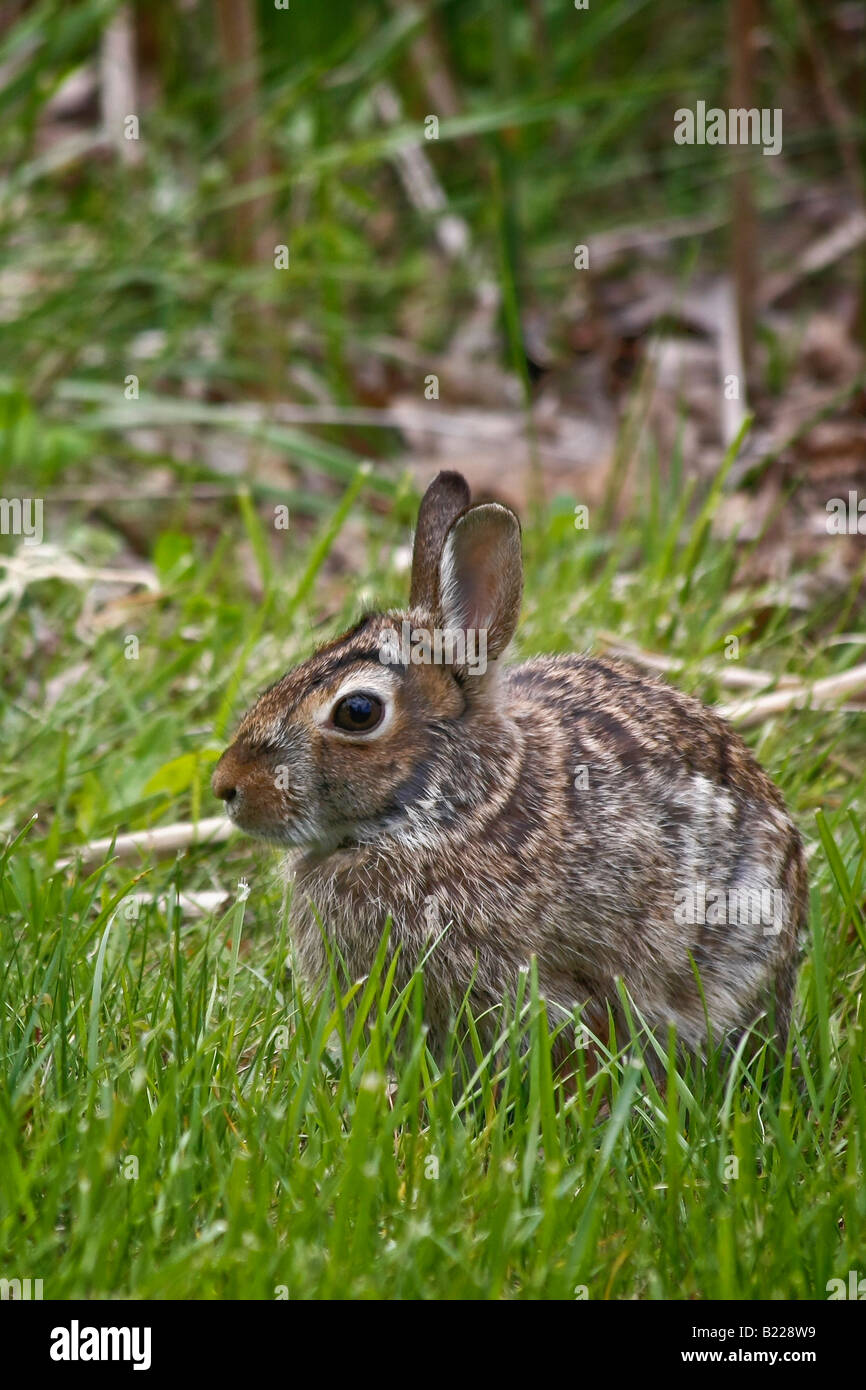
(175, 1122)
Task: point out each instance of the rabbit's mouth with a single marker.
(294, 833)
(286, 830)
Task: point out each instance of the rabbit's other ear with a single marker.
(446, 497)
(481, 574)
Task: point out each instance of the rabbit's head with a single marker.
(368, 732)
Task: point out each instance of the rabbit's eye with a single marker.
(358, 714)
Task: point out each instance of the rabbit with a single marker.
(565, 808)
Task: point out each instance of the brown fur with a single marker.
(552, 809)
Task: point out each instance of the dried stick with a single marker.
(191, 904)
(118, 86)
(844, 238)
(735, 676)
(821, 694)
(729, 337)
(164, 839)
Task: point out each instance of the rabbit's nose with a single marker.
(223, 783)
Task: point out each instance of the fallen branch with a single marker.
(191, 904)
(164, 839)
(119, 84)
(791, 693)
(729, 337)
(840, 241)
(822, 694)
(735, 676)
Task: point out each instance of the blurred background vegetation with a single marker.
(248, 248)
(304, 127)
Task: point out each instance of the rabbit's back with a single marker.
(671, 843)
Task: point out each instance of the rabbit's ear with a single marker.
(446, 497)
(481, 574)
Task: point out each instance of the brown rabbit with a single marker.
(566, 807)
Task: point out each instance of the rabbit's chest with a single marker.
(469, 932)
